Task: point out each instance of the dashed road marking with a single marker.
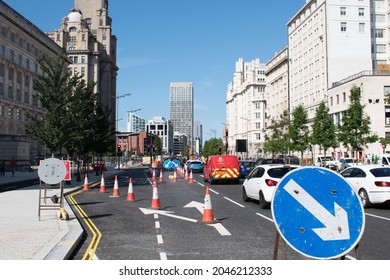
(160, 239)
(234, 202)
(265, 217)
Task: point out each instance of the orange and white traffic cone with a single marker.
(154, 175)
(86, 188)
(174, 176)
(161, 176)
(186, 175)
(208, 215)
(130, 193)
(191, 180)
(115, 192)
(155, 200)
(102, 185)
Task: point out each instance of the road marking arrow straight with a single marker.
(336, 226)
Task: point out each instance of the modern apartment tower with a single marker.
(87, 37)
(182, 109)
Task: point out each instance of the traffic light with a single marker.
(118, 151)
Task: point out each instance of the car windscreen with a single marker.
(195, 162)
(380, 172)
(348, 160)
(279, 172)
(247, 163)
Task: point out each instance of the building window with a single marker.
(104, 37)
(380, 48)
(361, 12)
(387, 115)
(343, 27)
(362, 27)
(379, 33)
(83, 59)
(73, 29)
(2, 50)
(72, 39)
(343, 11)
(344, 97)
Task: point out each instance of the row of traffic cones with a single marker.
(208, 215)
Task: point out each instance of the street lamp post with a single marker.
(117, 125)
(247, 135)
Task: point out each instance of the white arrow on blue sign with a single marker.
(318, 213)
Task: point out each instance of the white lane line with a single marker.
(265, 217)
(234, 202)
(201, 184)
(160, 239)
(220, 228)
(157, 224)
(163, 256)
(213, 191)
(155, 216)
(379, 217)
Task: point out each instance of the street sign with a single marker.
(318, 213)
(52, 171)
(175, 163)
(167, 164)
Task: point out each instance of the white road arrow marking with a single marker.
(166, 213)
(195, 204)
(336, 227)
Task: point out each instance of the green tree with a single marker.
(278, 141)
(158, 145)
(213, 146)
(323, 129)
(355, 132)
(299, 131)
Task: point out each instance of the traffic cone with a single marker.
(155, 200)
(208, 215)
(115, 192)
(186, 175)
(86, 188)
(154, 175)
(102, 185)
(174, 176)
(130, 194)
(161, 176)
(191, 180)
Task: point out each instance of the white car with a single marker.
(371, 182)
(344, 163)
(261, 182)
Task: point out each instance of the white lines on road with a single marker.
(220, 228)
(213, 191)
(160, 239)
(157, 224)
(163, 256)
(379, 217)
(201, 184)
(265, 217)
(234, 202)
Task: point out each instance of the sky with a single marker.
(163, 41)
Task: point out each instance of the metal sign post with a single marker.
(318, 213)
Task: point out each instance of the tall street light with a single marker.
(247, 132)
(131, 137)
(117, 124)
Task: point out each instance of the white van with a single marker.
(326, 161)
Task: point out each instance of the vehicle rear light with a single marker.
(382, 184)
(271, 183)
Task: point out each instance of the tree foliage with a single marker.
(73, 116)
(213, 146)
(298, 130)
(278, 141)
(323, 129)
(354, 132)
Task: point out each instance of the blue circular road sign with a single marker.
(318, 213)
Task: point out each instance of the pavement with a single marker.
(26, 234)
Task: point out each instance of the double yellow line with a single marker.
(90, 252)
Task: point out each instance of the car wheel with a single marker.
(263, 204)
(245, 197)
(364, 198)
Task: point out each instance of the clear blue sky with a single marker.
(163, 41)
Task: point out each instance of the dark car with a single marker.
(269, 161)
(246, 167)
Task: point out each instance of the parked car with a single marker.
(269, 161)
(246, 167)
(221, 168)
(371, 182)
(195, 166)
(344, 163)
(261, 182)
(326, 161)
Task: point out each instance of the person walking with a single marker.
(13, 166)
(2, 168)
